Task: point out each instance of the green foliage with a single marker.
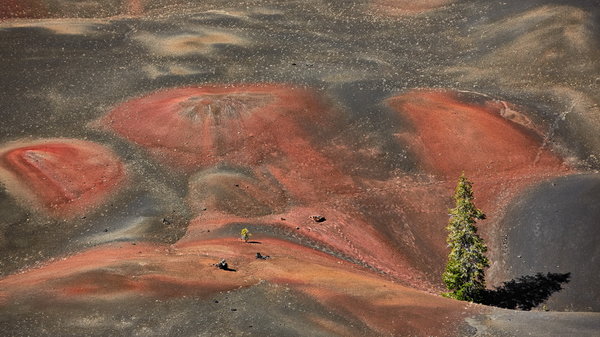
(464, 276)
(245, 234)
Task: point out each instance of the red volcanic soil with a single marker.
(242, 125)
(134, 7)
(453, 134)
(63, 177)
(347, 235)
(22, 9)
(497, 148)
(117, 272)
(275, 127)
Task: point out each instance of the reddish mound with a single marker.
(63, 177)
(453, 132)
(343, 234)
(22, 9)
(184, 270)
(495, 146)
(200, 126)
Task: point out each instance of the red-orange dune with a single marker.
(22, 9)
(451, 132)
(196, 127)
(349, 235)
(63, 177)
(120, 271)
(274, 127)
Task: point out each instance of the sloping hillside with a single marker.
(138, 138)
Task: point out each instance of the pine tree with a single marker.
(464, 276)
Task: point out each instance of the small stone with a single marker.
(262, 257)
(222, 265)
(317, 218)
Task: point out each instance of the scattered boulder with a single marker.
(222, 265)
(317, 218)
(262, 257)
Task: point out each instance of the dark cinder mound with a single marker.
(554, 228)
(511, 323)
(236, 192)
(262, 310)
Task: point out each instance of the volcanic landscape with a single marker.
(139, 137)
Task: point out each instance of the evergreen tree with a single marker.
(464, 276)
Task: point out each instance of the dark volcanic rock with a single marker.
(554, 227)
(271, 310)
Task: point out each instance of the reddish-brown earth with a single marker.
(342, 235)
(134, 7)
(122, 271)
(63, 177)
(444, 125)
(497, 147)
(274, 197)
(22, 9)
(214, 146)
(240, 125)
(453, 134)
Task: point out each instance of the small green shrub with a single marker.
(245, 234)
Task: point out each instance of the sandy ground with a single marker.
(139, 137)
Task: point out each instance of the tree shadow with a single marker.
(525, 292)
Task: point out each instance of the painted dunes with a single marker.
(455, 132)
(125, 272)
(197, 127)
(63, 177)
(494, 144)
(255, 156)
